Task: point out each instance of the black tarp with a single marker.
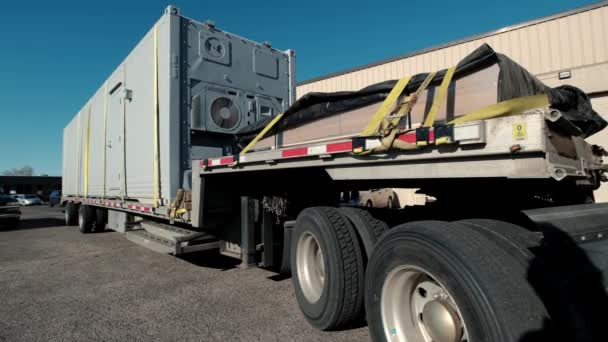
(513, 81)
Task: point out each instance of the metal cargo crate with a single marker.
(180, 95)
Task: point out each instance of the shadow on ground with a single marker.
(35, 223)
(211, 259)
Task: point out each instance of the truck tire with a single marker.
(71, 214)
(514, 239)
(441, 281)
(327, 268)
(86, 218)
(101, 219)
(368, 228)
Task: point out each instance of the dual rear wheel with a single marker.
(420, 282)
(330, 249)
(88, 218)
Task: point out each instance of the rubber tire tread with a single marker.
(342, 241)
(488, 284)
(88, 218)
(515, 240)
(71, 214)
(369, 229)
(101, 218)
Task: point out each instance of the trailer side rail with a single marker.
(520, 137)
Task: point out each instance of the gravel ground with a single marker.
(59, 285)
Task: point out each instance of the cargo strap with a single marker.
(405, 107)
(155, 99)
(505, 108)
(79, 149)
(439, 97)
(86, 154)
(261, 134)
(386, 107)
(388, 127)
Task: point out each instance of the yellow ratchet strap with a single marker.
(385, 108)
(156, 171)
(389, 140)
(261, 134)
(439, 97)
(79, 149)
(505, 108)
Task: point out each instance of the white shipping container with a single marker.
(183, 83)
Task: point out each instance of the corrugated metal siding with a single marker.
(568, 42)
(600, 104)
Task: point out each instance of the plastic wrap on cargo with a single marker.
(512, 81)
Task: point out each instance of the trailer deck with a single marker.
(521, 146)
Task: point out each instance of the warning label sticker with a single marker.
(520, 131)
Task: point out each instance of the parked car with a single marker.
(378, 198)
(9, 211)
(55, 198)
(28, 199)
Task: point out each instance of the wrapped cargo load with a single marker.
(483, 78)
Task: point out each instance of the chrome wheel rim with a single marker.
(311, 267)
(415, 307)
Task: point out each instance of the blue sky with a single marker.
(54, 54)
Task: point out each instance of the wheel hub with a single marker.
(441, 321)
(310, 267)
(417, 308)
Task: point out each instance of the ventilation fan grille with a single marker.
(225, 113)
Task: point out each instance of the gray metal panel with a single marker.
(70, 158)
(265, 63)
(292, 76)
(229, 72)
(81, 147)
(239, 72)
(96, 145)
(128, 138)
(139, 119)
(114, 142)
(119, 221)
(129, 133)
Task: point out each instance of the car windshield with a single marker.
(30, 196)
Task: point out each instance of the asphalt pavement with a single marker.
(59, 285)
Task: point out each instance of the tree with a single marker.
(23, 171)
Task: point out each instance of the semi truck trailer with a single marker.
(169, 153)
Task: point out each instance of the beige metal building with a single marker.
(566, 48)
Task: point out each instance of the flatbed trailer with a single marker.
(513, 249)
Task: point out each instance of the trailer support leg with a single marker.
(247, 232)
(268, 239)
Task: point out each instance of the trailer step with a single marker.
(164, 238)
(173, 233)
(151, 241)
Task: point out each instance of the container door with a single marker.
(114, 144)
